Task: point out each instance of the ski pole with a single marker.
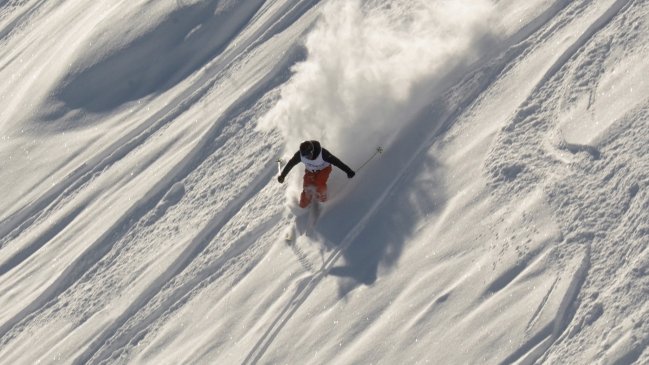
(279, 166)
(379, 149)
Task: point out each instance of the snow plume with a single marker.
(369, 65)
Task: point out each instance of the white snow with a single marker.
(506, 221)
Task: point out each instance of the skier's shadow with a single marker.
(382, 237)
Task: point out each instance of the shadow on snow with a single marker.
(157, 60)
(390, 199)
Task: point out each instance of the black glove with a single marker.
(350, 174)
(280, 178)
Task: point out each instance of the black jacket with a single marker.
(326, 155)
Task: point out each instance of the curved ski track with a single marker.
(458, 99)
(56, 197)
(118, 334)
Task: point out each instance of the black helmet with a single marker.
(307, 148)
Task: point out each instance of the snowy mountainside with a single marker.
(505, 222)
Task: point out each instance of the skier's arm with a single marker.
(289, 165)
(329, 157)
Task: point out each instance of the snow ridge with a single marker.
(505, 222)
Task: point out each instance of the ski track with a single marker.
(57, 197)
(103, 245)
(247, 249)
(455, 102)
(540, 341)
(141, 212)
(306, 286)
(528, 133)
(20, 221)
(213, 73)
(13, 225)
(20, 18)
(160, 298)
(96, 352)
(101, 248)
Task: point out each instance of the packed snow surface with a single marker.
(505, 222)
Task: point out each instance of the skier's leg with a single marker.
(305, 199)
(321, 183)
(307, 189)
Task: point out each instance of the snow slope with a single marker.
(506, 222)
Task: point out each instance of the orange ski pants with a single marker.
(315, 184)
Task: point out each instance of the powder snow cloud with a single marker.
(370, 65)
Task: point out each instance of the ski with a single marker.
(314, 214)
(304, 224)
(289, 236)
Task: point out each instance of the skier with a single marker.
(317, 167)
